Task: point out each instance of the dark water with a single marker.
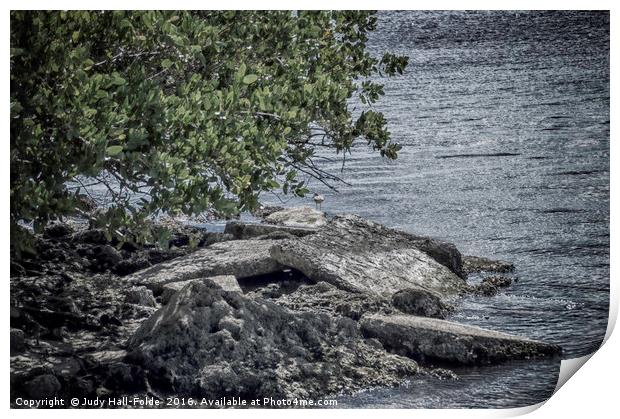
(484, 387)
(504, 119)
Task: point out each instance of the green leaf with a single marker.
(250, 78)
(166, 63)
(301, 192)
(117, 80)
(114, 150)
(241, 70)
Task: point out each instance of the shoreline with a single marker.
(294, 287)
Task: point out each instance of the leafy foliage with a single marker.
(184, 112)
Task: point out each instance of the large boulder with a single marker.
(214, 343)
(241, 258)
(226, 282)
(358, 255)
(243, 231)
(298, 217)
(429, 340)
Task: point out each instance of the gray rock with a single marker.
(216, 343)
(58, 230)
(241, 258)
(491, 285)
(498, 281)
(42, 386)
(226, 282)
(276, 235)
(243, 231)
(17, 341)
(105, 257)
(430, 340)
(86, 203)
(472, 264)
(92, 236)
(485, 289)
(358, 255)
(131, 265)
(265, 210)
(298, 217)
(327, 298)
(141, 296)
(419, 302)
(170, 289)
(15, 312)
(210, 237)
(122, 376)
(106, 356)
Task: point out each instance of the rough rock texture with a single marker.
(66, 318)
(58, 230)
(68, 312)
(298, 217)
(72, 316)
(226, 282)
(42, 386)
(358, 255)
(142, 259)
(208, 238)
(430, 340)
(17, 341)
(498, 281)
(265, 210)
(485, 289)
(93, 236)
(105, 257)
(214, 343)
(491, 285)
(327, 298)
(473, 264)
(420, 303)
(241, 258)
(243, 231)
(141, 296)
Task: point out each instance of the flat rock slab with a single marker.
(358, 255)
(244, 231)
(240, 258)
(427, 339)
(226, 282)
(298, 217)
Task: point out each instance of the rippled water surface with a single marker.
(497, 386)
(504, 119)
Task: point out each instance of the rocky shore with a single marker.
(294, 306)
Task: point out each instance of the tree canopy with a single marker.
(184, 111)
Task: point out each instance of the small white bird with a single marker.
(318, 200)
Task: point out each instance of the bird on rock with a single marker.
(318, 200)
